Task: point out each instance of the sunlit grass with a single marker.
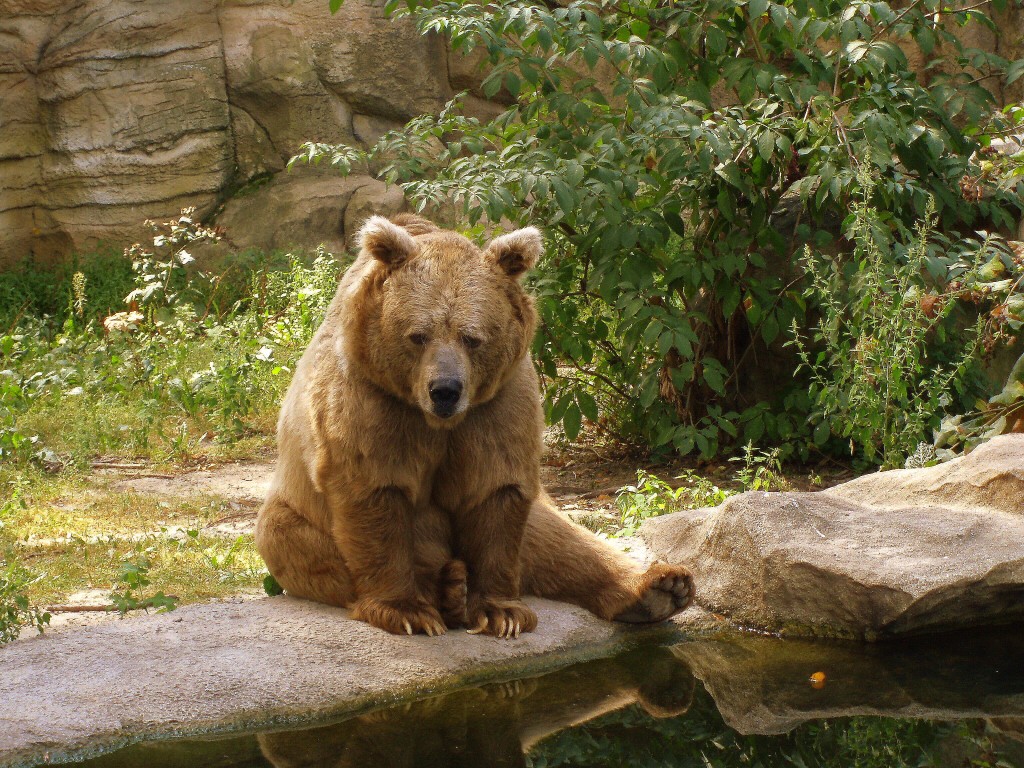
(81, 428)
(76, 531)
(190, 568)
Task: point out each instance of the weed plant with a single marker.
(652, 496)
(874, 380)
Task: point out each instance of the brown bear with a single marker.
(407, 486)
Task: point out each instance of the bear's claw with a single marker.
(506, 619)
(406, 617)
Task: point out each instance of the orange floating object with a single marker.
(818, 680)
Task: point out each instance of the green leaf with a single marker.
(731, 173)
(716, 40)
(270, 585)
(491, 84)
(757, 8)
(925, 40)
(572, 422)
(726, 205)
(512, 83)
(1014, 71)
(587, 404)
(821, 433)
(713, 378)
(779, 14)
(564, 196)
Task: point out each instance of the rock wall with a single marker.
(115, 111)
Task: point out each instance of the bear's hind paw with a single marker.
(664, 590)
(452, 593)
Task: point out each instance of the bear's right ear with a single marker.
(387, 242)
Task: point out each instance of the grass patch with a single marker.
(191, 569)
(71, 533)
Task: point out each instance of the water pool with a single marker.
(732, 700)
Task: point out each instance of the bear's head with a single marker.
(435, 320)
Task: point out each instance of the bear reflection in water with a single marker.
(490, 726)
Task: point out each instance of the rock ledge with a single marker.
(246, 664)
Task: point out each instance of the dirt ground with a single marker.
(582, 479)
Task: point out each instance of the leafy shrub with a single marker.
(680, 155)
(16, 612)
(989, 277)
(653, 497)
(761, 470)
(184, 369)
(164, 276)
(33, 290)
(872, 382)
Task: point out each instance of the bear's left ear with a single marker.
(516, 252)
(387, 242)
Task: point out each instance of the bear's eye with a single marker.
(419, 339)
(471, 342)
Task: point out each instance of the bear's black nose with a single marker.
(445, 394)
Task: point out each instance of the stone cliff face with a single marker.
(115, 111)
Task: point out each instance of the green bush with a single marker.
(681, 155)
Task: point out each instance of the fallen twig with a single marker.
(78, 608)
(108, 465)
(610, 491)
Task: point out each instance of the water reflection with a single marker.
(494, 725)
(944, 701)
(762, 685)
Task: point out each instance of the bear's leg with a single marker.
(451, 593)
(440, 580)
(564, 561)
(305, 561)
(489, 537)
(377, 538)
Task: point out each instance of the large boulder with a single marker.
(304, 208)
(899, 552)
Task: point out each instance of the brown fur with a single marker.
(407, 486)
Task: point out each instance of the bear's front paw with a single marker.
(400, 617)
(501, 618)
(663, 591)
